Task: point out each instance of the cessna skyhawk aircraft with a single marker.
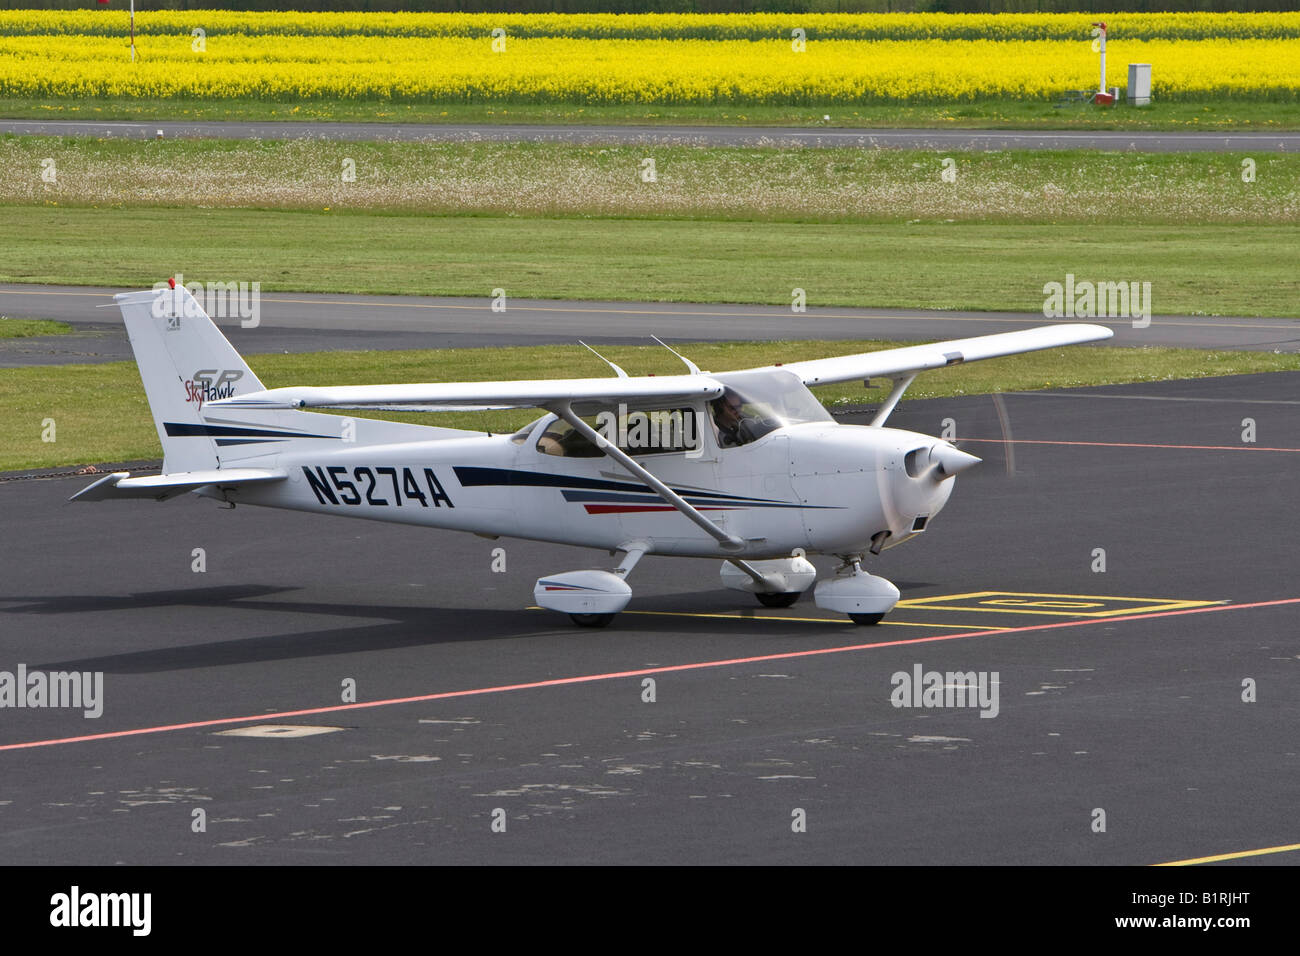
(747, 467)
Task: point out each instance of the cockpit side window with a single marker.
(657, 432)
(757, 402)
(637, 432)
(734, 420)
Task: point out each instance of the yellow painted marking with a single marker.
(803, 620)
(93, 295)
(1021, 603)
(798, 620)
(1291, 847)
(1054, 605)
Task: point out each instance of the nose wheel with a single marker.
(866, 620)
(783, 599)
(591, 620)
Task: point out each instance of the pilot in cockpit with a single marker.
(728, 420)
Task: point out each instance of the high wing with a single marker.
(587, 395)
(584, 395)
(896, 363)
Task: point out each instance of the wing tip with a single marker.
(104, 484)
(1100, 331)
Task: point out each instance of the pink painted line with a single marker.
(668, 669)
(1120, 444)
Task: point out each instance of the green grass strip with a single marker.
(1222, 115)
(27, 328)
(1213, 270)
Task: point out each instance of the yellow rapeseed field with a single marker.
(668, 26)
(666, 59)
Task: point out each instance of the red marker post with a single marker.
(1102, 97)
(104, 3)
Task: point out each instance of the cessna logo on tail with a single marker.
(210, 384)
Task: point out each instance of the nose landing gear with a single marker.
(865, 598)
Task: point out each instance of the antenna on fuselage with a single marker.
(695, 369)
(618, 371)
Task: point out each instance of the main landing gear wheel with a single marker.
(866, 619)
(784, 599)
(591, 620)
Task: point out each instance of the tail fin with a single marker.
(184, 361)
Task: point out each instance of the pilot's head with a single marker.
(726, 408)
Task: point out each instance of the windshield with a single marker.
(759, 402)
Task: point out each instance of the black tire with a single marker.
(866, 619)
(783, 599)
(591, 620)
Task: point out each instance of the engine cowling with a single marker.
(868, 488)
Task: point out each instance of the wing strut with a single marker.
(891, 400)
(729, 542)
(771, 582)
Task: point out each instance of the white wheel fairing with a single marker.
(858, 593)
(582, 592)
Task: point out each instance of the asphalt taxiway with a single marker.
(1119, 690)
(303, 322)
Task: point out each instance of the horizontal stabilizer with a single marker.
(120, 484)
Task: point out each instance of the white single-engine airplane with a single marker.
(743, 466)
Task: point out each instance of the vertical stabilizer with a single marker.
(184, 361)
